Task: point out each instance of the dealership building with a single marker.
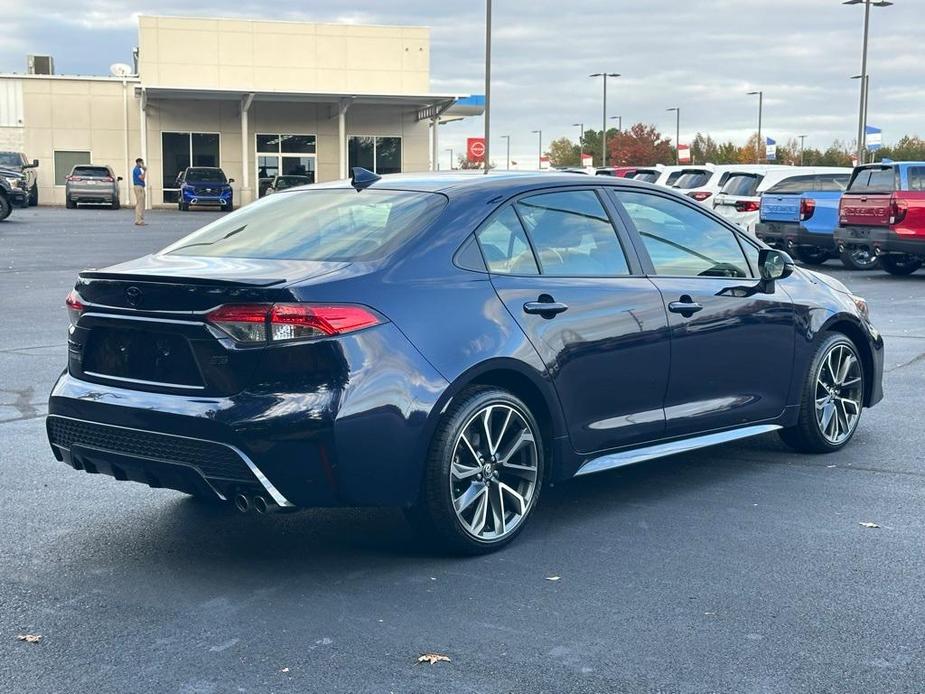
(257, 98)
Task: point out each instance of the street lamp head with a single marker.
(754, 93)
(673, 108)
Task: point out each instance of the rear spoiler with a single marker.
(171, 279)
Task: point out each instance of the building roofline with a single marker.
(282, 21)
(95, 78)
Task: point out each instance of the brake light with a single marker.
(107, 179)
(898, 210)
(257, 323)
(807, 208)
(700, 195)
(747, 206)
(75, 306)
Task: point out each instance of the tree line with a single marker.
(643, 145)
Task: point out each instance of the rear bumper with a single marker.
(356, 439)
(90, 194)
(880, 240)
(773, 233)
(801, 236)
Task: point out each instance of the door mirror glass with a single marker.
(231, 180)
(774, 264)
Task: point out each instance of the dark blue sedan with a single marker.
(450, 344)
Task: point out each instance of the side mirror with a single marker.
(773, 265)
(118, 178)
(231, 180)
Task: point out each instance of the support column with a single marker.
(143, 139)
(435, 144)
(343, 158)
(246, 196)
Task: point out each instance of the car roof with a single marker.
(495, 181)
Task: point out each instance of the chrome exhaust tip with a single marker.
(242, 503)
(261, 505)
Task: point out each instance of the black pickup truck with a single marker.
(17, 161)
(13, 191)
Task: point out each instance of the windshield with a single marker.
(692, 179)
(205, 176)
(334, 225)
(10, 159)
(879, 179)
(742, 184)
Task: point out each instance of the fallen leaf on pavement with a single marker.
(285, 669)
(433, 658)
(30, 638)
(553, 578)
(868, 525)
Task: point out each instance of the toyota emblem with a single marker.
(133, 296)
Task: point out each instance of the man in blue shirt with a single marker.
(139, 174)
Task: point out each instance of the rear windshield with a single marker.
(672, 177)
(91, 171)
(647, 176)
(745, 185)
(794, 184)
(881, 179)
(692, 179)
(335, 225)
(206, 175)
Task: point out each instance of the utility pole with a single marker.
(760, 109)
(486, 164)
(677, 140)
(581, 138)
(604, 75)
(508, 138)
(539, 160)
(802, 147)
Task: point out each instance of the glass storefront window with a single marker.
(180, 150)
(381, 155)
(279, 155)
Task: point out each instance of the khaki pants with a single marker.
(139, 204)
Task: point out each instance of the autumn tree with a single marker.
(641, 145)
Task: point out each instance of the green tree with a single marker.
(591, 144)
(564, 152)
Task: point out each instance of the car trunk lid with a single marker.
(780, 207)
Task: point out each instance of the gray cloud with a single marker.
(703, 56)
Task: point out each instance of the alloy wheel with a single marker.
(839, 394)
(494, 472)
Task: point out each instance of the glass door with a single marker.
(283, 155)
(180, 150)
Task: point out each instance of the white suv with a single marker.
(720, 173)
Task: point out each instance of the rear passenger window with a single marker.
(916, 176)
(505, 245)
(683, 241)
(572, 234)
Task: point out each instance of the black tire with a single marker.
(183, 206)
(807, 436)
(34, 195)
(70, 204)
(116, 204)
(859, 259)
(5, 207)
(230, 206)
(900, 264)
(435, 514)
(810, 255)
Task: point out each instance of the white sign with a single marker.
(684, 154)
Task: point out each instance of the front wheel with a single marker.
(5, 207)
(483, 474)
(832, 398)
(859, 258)
(810, 255)
(900, 264)
(34, 195)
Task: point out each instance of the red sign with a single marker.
(475, 149)
(684, 154)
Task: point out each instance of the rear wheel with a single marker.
(5, 207)
(810, 255)
(859, 258)
(832, 398)
(900, 264)
(483, 474)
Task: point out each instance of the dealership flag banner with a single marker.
(684, 154)
(771, 149)
(475, 149)
(874, 138)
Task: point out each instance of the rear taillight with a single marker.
(898, 210)
(75, 306)
(807, 208)
(107, 179)
(700, 195)
(747, 206)
(259, 323)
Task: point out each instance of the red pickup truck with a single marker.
(884, 211)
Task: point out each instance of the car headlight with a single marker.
(862, 306)
(16, 182)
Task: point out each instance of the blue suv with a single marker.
(205, 185)
(800, 215)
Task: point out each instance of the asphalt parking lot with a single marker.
(742, 568)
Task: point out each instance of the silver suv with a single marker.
(92, 183)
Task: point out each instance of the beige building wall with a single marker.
(283, 56)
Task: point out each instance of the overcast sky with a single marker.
(701, 55)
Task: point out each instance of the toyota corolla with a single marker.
(450, 344)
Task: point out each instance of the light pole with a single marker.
(581, 138)
(539, 161)
(486, 162)
(450, 150)
(677, 130)
(865, 96)
(862, 109)
(619, 120)
(508, 138)
(802, 147)
(760, 109)
(605, 75)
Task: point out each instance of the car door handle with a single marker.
(685, 308)
(547, 309)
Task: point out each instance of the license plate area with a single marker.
(138, 355)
